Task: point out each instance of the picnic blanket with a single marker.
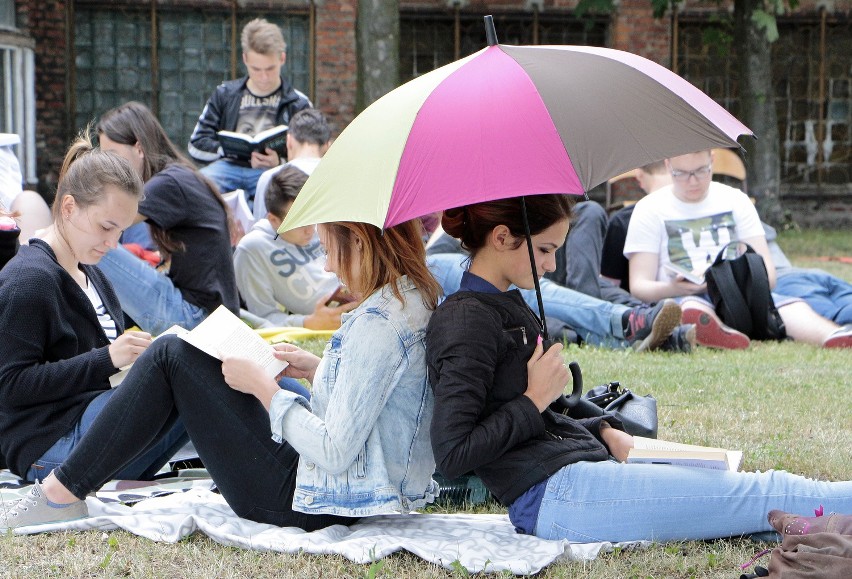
(168, 511)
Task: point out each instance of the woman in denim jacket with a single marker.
(361, 446)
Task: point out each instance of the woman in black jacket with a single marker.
(564, 478)
(61, 327)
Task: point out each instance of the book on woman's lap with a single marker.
(653, 451)
(240, 145)
(222, 334)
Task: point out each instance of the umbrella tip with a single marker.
(490, 31)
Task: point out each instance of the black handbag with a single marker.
(739, 290)
(638, 414)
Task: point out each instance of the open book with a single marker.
(236, 200)
(652, 451)
(241, 146)
(696, 276)
(224, 334)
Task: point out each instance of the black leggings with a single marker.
(230, 431)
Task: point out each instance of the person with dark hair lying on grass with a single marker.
(563, 478)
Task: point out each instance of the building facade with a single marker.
(66, 61)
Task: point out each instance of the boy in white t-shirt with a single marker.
(688, 223)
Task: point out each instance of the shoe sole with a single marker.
(844, 341)
(711, 334)
(664, 324)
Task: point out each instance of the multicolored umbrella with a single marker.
(509, 121)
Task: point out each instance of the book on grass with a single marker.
(653, 451)
(696, 276)
(241, 146)
(224, 334)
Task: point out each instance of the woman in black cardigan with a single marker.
(61, 327)
(563, 478)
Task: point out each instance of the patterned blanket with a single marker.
(172, 509)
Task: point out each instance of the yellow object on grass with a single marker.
(285, 334)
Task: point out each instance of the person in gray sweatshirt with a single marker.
(280, 276)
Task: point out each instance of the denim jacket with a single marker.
(363, 439)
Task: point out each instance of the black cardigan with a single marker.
(54, 355)
(477, 347)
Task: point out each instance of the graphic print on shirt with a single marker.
(694, 243)
(301, 267)
(257, 113)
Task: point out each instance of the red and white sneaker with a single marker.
(839, 338)
(712, 333)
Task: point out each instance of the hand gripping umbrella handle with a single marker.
(565, 403)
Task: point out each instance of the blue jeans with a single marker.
(611, 501)
(147, 295)
(140, 234)
(229, 176)
(596, 321)
(143, 467)
(829, 296)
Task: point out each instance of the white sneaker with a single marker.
(35, 509)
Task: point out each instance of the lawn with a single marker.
(782, 404)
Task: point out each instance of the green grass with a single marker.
(785, 405)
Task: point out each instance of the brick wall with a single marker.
(44, 21)
(336, 65)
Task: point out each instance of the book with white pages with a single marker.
(240, 209)
(223, 333)
(695, 276)
(654, 451)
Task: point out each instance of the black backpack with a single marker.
(739, 290)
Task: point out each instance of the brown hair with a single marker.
(133, 123)
(262, 37)
(282, 190)
(86, 171)
(473, 223)
(386, 256)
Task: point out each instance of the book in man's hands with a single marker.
(653, 451)
(241, 146)
(224, 334)
(696, 276)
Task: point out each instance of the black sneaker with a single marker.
(648, 327)
(682, 339)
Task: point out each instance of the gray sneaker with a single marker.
(35, 509)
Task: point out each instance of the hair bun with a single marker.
(453, 220)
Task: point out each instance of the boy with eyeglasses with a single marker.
(687, 223)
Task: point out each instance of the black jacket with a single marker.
(54, 355)
(477, 347)
(222, 112)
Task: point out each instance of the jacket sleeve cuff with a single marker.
(282, 402)
(593, 425)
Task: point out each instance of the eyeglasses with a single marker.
(700, 173)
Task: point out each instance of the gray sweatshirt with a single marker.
(274, 275)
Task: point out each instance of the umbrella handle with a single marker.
(564, 403)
